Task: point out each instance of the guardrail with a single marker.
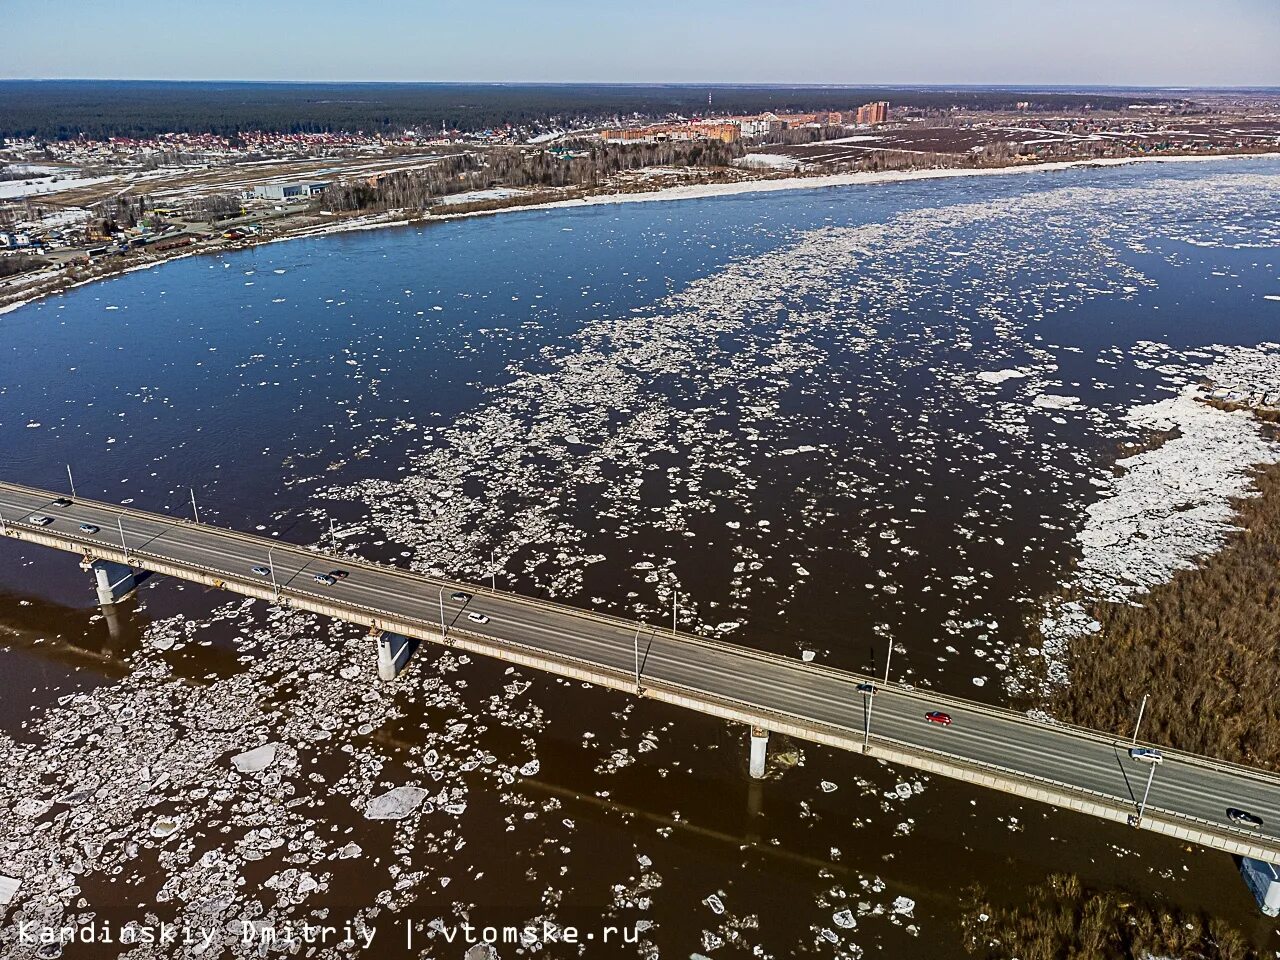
(430, 630)
(836, 673)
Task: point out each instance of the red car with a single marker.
(937, 716)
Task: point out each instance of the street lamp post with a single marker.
(333, 537)
(442, 626)
(636, 643)
(871, 699)
(123, 545)
(71, 480)
(1145, 793)
(194, 509)
(275, 587)
(493, 569)
(675, 601)
(1139, 723)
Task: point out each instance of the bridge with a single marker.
(1186, 796)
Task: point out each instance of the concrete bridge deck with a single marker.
(1069, 767)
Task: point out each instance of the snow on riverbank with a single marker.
(701, 191)
(1171, 506)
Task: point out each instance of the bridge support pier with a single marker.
(1263, 881)
(113, 581)
(759, 751)
(394, 652)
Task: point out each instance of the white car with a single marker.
(39, 520)
(477, 618)
(1146, 754)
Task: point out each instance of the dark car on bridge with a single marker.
(937, 716)
(1243, 818)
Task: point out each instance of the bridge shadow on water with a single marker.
(96, 640)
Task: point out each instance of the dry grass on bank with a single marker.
(1061, 920)
(1205, 646)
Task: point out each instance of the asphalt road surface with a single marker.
(1183, 785)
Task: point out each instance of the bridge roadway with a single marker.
(1069, 767)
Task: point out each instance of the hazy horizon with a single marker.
(1108, 43)
(727, 84)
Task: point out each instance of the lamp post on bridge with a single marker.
(493, 569)
(442, 626)
(870, 697)
(1145, 793)
(123, 545)
(1143, 707)
(275, 587)
(71, 480)
(194, 510)
(636, 644)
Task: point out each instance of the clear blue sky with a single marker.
(1118, 42)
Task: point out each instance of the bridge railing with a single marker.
(623, 625)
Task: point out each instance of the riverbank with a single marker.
(29, 288)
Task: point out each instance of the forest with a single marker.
(585, 164)
(65, 109)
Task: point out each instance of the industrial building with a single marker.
(289, 191)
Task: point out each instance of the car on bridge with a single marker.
(62, 502)
(867, 688)
(1146, 755)
(39, 520)
(938, 717)
(339, 574)
(1243, 818)
(459, 597)
(261, 571)
(88, 528)
(324, 578)
(477, 617)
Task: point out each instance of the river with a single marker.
(815, 422)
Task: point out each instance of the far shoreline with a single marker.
(402, 218)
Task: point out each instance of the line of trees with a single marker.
(66, 109)
(585, 164)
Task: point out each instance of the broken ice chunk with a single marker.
(255, 760)
(395, 804)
